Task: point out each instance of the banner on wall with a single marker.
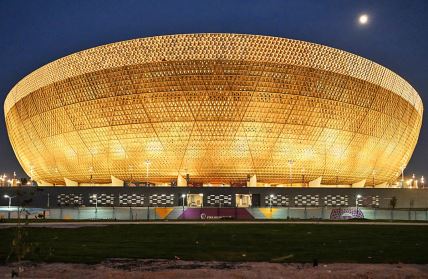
(346, 213)
(216, 213)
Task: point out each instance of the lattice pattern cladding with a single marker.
(277, 200)
(306, 200)
(336, 200)
(220, 106)
(69, 199)
(101, 199)
(131, 199)
(161, 200)
(219, 200)
(368, 201)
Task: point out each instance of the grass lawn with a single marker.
(226, 242)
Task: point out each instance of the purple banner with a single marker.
(346, 213)
(216, 213)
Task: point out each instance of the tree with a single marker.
(393, 202)
(21, 246)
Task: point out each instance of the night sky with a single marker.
(36, 32)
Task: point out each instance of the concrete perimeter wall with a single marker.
(64, 197)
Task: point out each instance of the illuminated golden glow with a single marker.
(217, 106)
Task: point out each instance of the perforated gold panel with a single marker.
(217, 106)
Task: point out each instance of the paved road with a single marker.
(101, 223)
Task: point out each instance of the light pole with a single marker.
(10, 199)
(356, 201)
(183, 196)
(270, 202)
(147, 172)
(94, 196)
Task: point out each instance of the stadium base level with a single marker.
(214, 197)
(214, 214)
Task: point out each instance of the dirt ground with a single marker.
(168, 269)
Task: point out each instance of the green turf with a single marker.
(227, 242)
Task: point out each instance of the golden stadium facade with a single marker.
(222, 108)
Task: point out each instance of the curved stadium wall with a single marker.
(219, 107)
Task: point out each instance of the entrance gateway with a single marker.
(195, 200)
(243, 200)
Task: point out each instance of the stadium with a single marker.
(213, 110)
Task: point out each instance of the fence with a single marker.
(210, 213)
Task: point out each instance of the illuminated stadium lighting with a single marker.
(158, 85)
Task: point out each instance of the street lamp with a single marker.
(356, 200)
(270, 202)
(94, 196)
(423, 181)
(147, 171)
(10, 199)
(183, 196)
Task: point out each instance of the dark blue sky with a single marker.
(36, 32)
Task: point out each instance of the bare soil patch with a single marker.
(169, 269)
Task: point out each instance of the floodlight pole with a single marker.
(356, 201)
(183, 196)
(96, 202)
(10, 199)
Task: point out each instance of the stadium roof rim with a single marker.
(363, 68)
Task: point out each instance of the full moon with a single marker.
(363, 19)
